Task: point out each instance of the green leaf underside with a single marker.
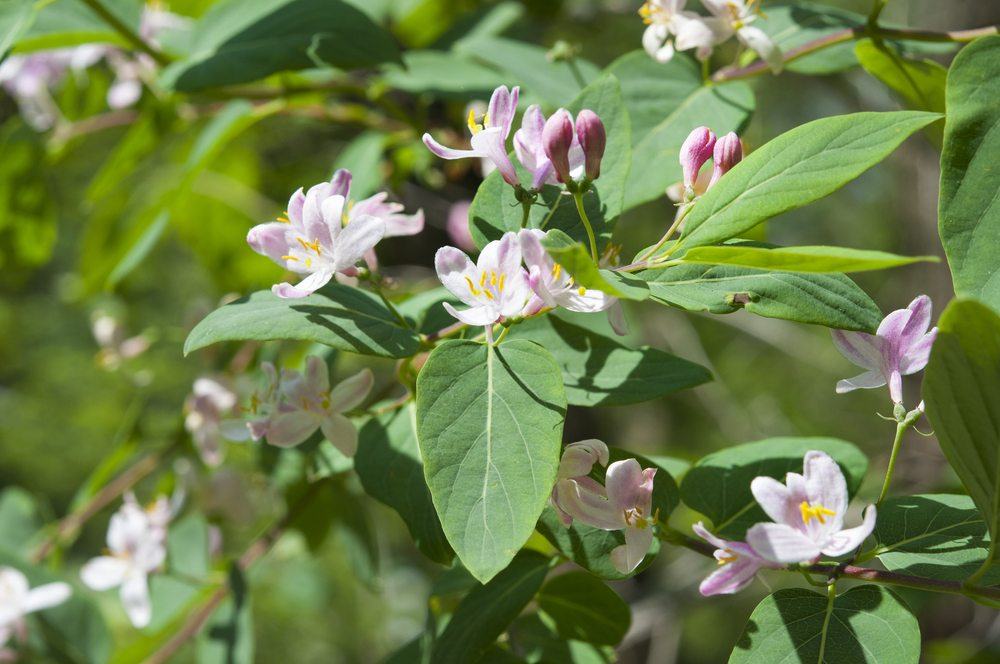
(389, 467)
(487, 610)
(495, 210)
(345, 318)
(796, 168)
(590, 547)
(490, 422)
(665, 102)
(962, 390)
(238, 41)
(820, 259)
(585, 609)
(868, 625)
(935, 536)
(969, 202)
(600, 371)
(832, 300)
(718, 485)
(576, 260)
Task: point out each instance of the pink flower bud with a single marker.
(557, 138)
(695, 151)
(727, 153)
(592, 137)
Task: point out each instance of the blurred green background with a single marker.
(70, 201)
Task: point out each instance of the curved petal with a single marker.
(628, 485)
(317, 377)
(616, 318)
(586, 504)
(701, 531)
(696, 32)
(892, 326)
(777, 501)
(826, 486)
(270, 240)
(588, 301)
(295, 204)
(515, 294)
(446, 152)
(359, 236)
(759, 41)
(398, 225)
(135, 598)
(867, 380)
(730, 578)
(103, 572)
(291, 428)
(863, 350)
(502, 107)
(578, 458)
(627, 557)
(845, 541)
(341, 432)
(491, 144)
(916, 326)
(781, 543)
(917, 354)
(350, 392)
(455, 270)
(340, 183)
(532, 251)
(478, 315)
(307, 286)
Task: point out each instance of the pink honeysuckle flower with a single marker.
(18, 599)
(733, 17)
(307, 403)
(28, 78)
(210, 418)
(808, 511)
(312, 239)
(494, 288)
(593, 140)
(900, 347)
(458, 225)
(263, 403)
(577, 461)
(136, 542)
(728, 152)
(489, 139)
(623, 503)
(553, 286)
(696, 149)
(738, 564)
(530, 149)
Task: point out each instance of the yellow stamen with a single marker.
(471, 121)
(493, 277)
(289, 257)
(581, 290)
(500, 286)
(725, 560)
(482, 279)
(816, 511)
(284, 218)
(489, 295)
(486, 120)
(472, 287)
(556, 270)
(314, 245)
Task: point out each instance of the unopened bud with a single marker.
(557, 138)
(592, 137)
(695, 151)
(727, 153)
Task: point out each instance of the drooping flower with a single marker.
(529, 146)
(623, 503)
(210, 418)
(900, 347)
(18, 599)
(553, 286)
(136, 543)
(738, 564)
(734, 17)
(577, 461)
(307, 403)
(313, 240)
(494, 288)
(489, 139)
(808, 511)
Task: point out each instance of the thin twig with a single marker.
(125, 31)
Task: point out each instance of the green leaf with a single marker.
(576, 260)
(832, 300)
(363, 158)
(490, 423)
(20, 521)
(535, 639)
(667, 101)
(968, 207)
(796, 168)
(495, 210)
(227, 637)
(487, 610)
(421, 73)
(590, 547)
(600, 371)
(16, 16)
(800, 259)
(187, 546)
(238, 41)
(585, 609)
(339, 316)
(389, 467)
(72, 22)
(718, 485)
(933, 536)
(867, 624)
(530, 67)
(962, 390)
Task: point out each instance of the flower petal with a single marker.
(582, 501)
(627, 557)
(759, 41)
(917, 354)
(271, 240)
(103, 572)
(446, 152)
(341, 432)
(479, 315)
(826, 486)
(340, 183)
(701, 531)
(291, 428)
(916, 327)
(730, 578)
(491, 144)
(781, 543)
(629, 486)
(777, 501)
(317, 377)
(357, 237)
(135, 598)
(306, 287)
(867, 380)
(863, 350)
(455, 270)
(578, 458)
(847, 540)
(350, 392)
(47, 596)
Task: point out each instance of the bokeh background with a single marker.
(70, 200)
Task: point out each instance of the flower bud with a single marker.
(557, 138)
(592, 137)
(695, 151)
(727, 153)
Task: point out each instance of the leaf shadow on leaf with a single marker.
(326, 316)
(229, 632)
(556, 408)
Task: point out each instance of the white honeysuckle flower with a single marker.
(209, 409)
(553, 286)
(670, 29)
(734, 17)
(136, 543)
(18, 599)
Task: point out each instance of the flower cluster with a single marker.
(137, 540)
(808, 517)
(17, 600)
(700, 146)
(623, 503)
(497, 287)
(553, 150)
(671, 28)
(323, 233)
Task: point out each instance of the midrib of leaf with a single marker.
(489, 439)
(928, 533)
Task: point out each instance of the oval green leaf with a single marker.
(585, 609)
(820, 259)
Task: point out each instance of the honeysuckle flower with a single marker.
(728, 152)
(312, 239)
(670, 29)
(901, 346)
(808, 511)
(18, 599)
(136, 544)
(28, 78)
(734, 17)
(577, 461)
(489, 139)
(696, 149)
(530, 149)
(552, 285)
(593, 139)
(115, 348)
(457, 225)
(210, 418)
(623, 503)
(263, 403)
(494, 288)
(308, 404)
(738, 564)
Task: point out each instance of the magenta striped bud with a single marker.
(590, 132)
(727, 153)
(695, 151)
(557, 138)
